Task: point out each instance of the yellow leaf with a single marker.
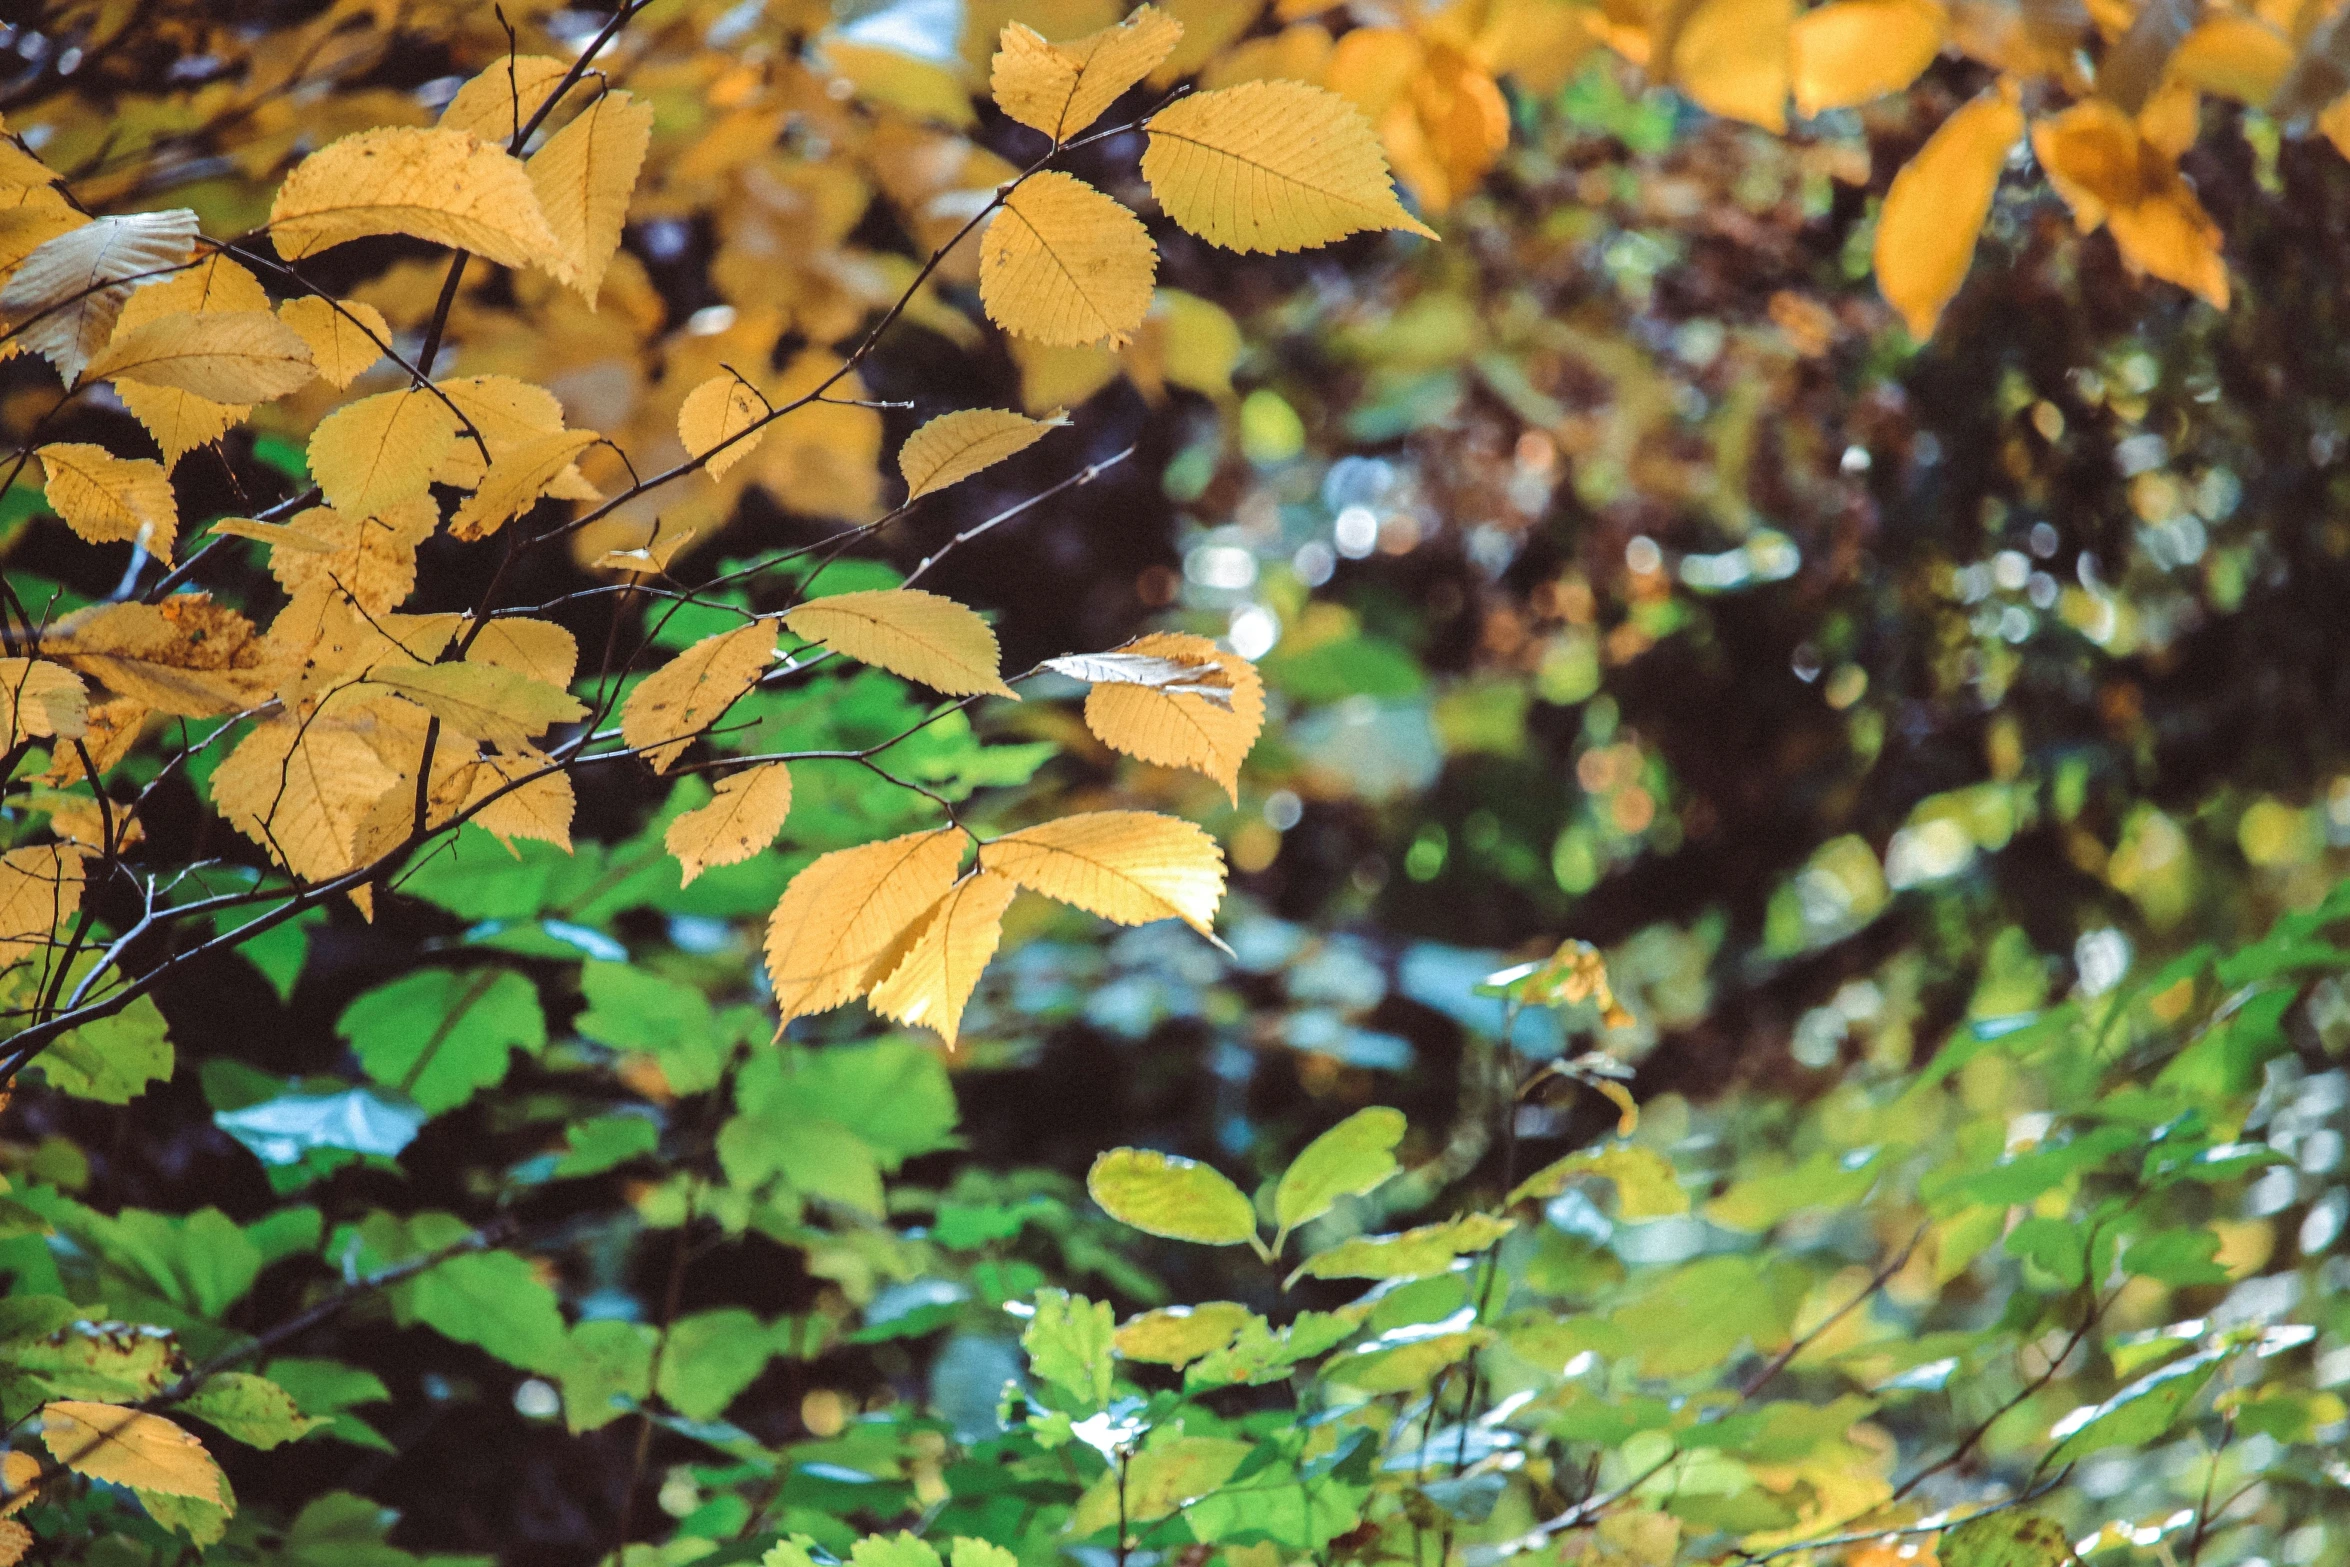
(922, 636)
(113, 728)
(584, 176)
(67, 295)
(853, 911)
(1128, 866)
(181, 421)
(1063, 263)
(484, 701)
(507, 414)
(1850, 51)
(533, 797)
(2100, 161)
(144, 1452)
(715, 413)
(372, 455)
(15, 1538)
(953, 447)
(322, 640)
(439, 185)
(486, 105)
(373, 559)
(537, 648)
(1731, 57)
(745, 813)
(106, 498)
(1060, 89)
(933, 982)
(1209, 27)
(346, 337)
(516, 480)
(689, 693)
(1271, 166)
(186, 656)
(41, 699)
(18, 1470)
(237, 356)
(1926, 232)
(303, 788)
(40, 889)
(1177, 728)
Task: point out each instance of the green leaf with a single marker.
(1647, 1187)
(252, 1409)
(631, 1008)
(893, 1094)
(609, 1366)
(1164, 1476)
(1827, 1179)
(329, 1389)
(2007, 1539)
(979, 1553)
(1163, 1194)
(711, 1357)
(1414, 1254)
(1348, 1160)
(2175, 1257)
(113, 1059)
(596, 1145)
(2137, 1415)
(1068, 1343)
(496, 1300)
(440, 1036)
(898, 1550)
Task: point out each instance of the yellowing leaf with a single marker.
(346, 336)
(488, 104)
(485, 701)
(373, 559)
(537, 648)
(584, 176)
(1271, 166)
(745, 813)
(40, 889)
(1178, 1335)
(144, 1452)
(686, 695)
(852, 911)
(1063, 263)
(1176, 728)
(106, 498)
(1731, 57)
(65, 298)
(234, 356)
(1163, 1194)
(186, 656)
(716, 412)
(1128, 866)
(42, 699)
(380, 451)
(439, 185)
(516, 480)
(1932, 215)
(954, 446)
(1060, 89)
(922, 636)
(933, 982)
(1850, 51)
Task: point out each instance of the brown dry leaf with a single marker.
(373, 559)
(745, 812)
(380, 451)
(516, 480)
(1063, 263)
(1128, 866)
(42, 699)
(852, 912)
(109, 499)
(537, 648)
(932, 983)
(144, 1452)
(716, 412)
(921, 636)
(689, 693)
(1847, 52)
(954, 446)
(40, 889)
(584, 176)
(228, 356)
(186, 656)
(1060, 89)
(65, 298)
(487, 104)
(1932, 215)
(1731, 57)
(1180, 729)
(346, 337)
(431, 184)
(1271, 166)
